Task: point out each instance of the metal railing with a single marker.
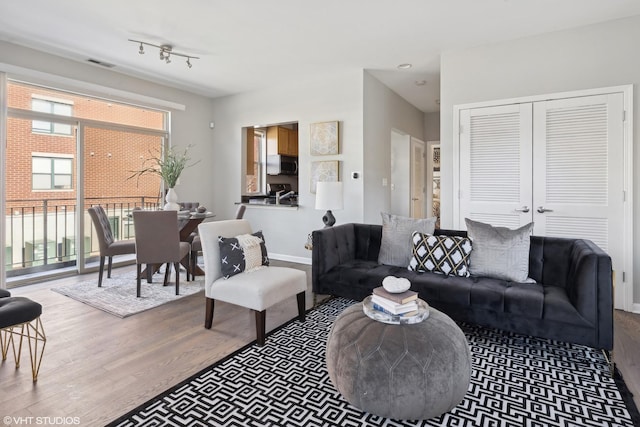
(41, 233)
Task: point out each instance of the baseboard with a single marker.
(289, 258)
(635, 308)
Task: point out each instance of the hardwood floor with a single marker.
(97, 367)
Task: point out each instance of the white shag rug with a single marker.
(117, 295)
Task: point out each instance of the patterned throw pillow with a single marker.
(440, 254)
(395, 246)
(242, 253)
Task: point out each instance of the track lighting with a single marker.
(166, 51)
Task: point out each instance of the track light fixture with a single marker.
(166, 51)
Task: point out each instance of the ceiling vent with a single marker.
(101, 63)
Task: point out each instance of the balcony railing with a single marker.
(41, 234)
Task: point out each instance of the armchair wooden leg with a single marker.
(260, 326)
(208, 313)
(109, 269)
(301, 306)
(101, 271)
(138, 279)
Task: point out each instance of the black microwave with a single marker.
(282, 165)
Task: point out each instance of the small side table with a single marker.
(408, 371)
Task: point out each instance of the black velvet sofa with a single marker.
(571, 301)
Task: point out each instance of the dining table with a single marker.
(188, 223)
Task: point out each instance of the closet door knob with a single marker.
(541, 209)
(524, 209)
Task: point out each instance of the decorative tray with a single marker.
(421, 314)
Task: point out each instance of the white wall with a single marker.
(432, 126)
(190, 126)
(334, 97)
(589, 57)
(384, 111)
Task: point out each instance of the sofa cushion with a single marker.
(395, 246)
(440, 254)
(499, 252)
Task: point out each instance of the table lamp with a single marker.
(329, 197)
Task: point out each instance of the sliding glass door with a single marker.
(66, 152)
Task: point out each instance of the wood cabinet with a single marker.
(281, 140)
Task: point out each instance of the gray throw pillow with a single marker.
(499, 252)
(396, 244)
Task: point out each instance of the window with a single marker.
(256, 162)
(51, 107)
(51, 173)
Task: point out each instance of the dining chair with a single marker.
(196, 243)
(158, 242)
(257, 290)
(109, 247)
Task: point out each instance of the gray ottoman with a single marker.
(407, 372)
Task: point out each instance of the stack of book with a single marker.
(400, 304)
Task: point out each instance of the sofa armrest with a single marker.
(343, 243)
(332, 246)
(590, 288)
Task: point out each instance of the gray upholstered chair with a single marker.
(4, 293)
(256, 290)
(158, 242)
(196, 244)
(108, 245)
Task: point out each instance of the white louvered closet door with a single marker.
(495, 165)
(578, 170)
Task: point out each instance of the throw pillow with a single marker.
(395, 247)
(499, 252)
(440, 254)
(245, 252)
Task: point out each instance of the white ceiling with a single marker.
(245, 45)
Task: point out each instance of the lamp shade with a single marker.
(329, 195)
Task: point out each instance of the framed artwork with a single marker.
(323, 171)
(324, 138)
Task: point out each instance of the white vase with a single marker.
(172, 201)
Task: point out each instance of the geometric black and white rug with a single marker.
(516, 381)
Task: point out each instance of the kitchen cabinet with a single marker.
(281, 140)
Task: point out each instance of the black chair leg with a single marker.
(208, 312)
(101, 272)
(260, 326)
(301, 306)
(167, 271)
(138, 279)
(178, 278)
(109, 270)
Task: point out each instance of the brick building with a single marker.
(41, 165)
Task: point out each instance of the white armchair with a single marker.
(256, 290)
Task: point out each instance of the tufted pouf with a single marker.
(407, 372)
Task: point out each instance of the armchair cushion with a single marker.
(245, 252)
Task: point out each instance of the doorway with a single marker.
(407, 175)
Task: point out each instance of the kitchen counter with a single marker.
(266, 203)
(269, 201)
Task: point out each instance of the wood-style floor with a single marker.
(97, 367)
